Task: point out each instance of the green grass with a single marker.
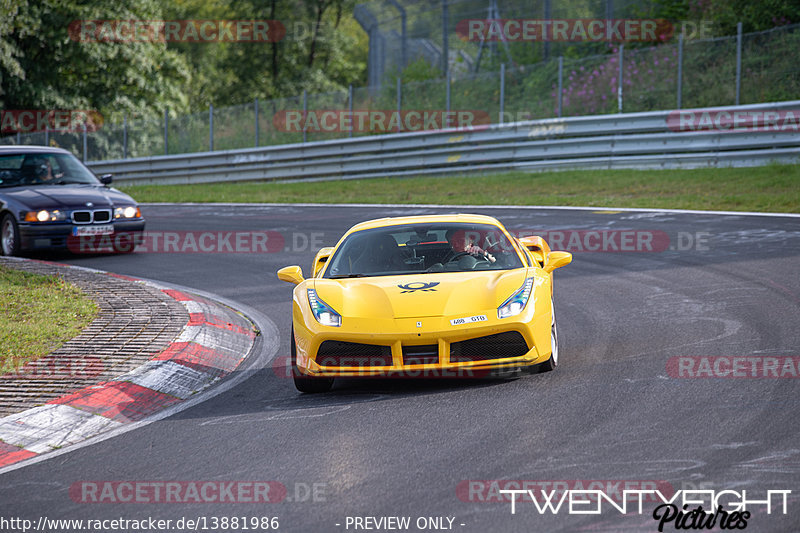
(768, 188)
(37, 315)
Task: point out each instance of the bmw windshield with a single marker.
(43, 169)
(423, 248)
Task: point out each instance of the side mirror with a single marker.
(291, 274)
(556, 260)
(322, 257)
(106, 179)
(537, 246)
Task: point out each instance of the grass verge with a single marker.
(37, 315)
(768, 188)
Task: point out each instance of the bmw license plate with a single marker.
(105, 229)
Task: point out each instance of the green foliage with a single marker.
(324, 50)
(41, 67)
(420, 70)
(45, 69)
(37, 315)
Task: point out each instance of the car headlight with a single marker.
(517, 301)
(127, 212)
(323, 312)
(45, 216)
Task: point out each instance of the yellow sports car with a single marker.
(429, 295)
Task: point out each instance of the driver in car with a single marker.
(460, 242)
(42, 170)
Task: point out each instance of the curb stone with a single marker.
(194, 344)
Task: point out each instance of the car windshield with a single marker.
(421, 248)
(43, 169)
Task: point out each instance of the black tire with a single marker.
(9, 236)
(552, 362)
(305, 383)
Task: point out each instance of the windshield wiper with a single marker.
(342, 276)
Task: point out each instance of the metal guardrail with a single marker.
(634, 140)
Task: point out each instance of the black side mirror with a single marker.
(106, 179)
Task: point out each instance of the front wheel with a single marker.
(552, 362)
(305, 383)
(9, 235)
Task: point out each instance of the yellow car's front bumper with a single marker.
(423, 346)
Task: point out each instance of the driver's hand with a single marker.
(478, 251)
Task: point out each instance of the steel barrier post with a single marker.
(619, 80)
(738, 61)
(210, 128)
(399, 102)
(560, 84)
(502, 91)
(305, 114)
(680, 69)
(350, 108)
(125, 137)
(166, 125)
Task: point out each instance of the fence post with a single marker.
(85, 143)
(305, 114)
(256, 114)
(125, 137)
(399, 103)
(210, 128)
(738, 61)
(447, 92)
(350, 108)
(680, 69)
(166, 125)
(619, 80)
(19, 137)
(502, 91)
(560, 84)
(445, 50)
(47, 136)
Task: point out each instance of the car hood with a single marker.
(419, 295)
(66, 196)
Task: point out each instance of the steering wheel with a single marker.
(456, 255)
(478, 257)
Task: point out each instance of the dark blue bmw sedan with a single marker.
(50, 200)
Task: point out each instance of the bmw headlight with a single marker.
(323, 312)
(45, 216)
(517, 301)
(127, 212)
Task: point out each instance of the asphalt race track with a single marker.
(659, 386)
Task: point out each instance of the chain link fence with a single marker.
(691, 74)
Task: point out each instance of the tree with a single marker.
(44, 67)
